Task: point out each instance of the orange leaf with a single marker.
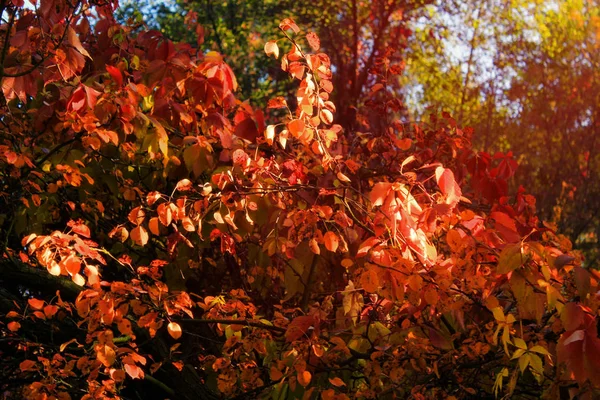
(178, 364)
(118, 375)
(139, 235)
(27, 365)
(337, 382)
(27, 239)
(369, 281)
(332, 241)
(78, 279)
(50, 310)
(379, 193)
(72, 264)
(296, 69)
(154, 227)
(119, 233)
(296, 127)
(36, 304)
(65, 344)
(313, 40)
(287, 24)
(188, 225)
(165, 215)
(275, 374)
(298, 327)
(13, 326)
(105, 355)
(304, 378)
(174, 330)
(365, 246)
(134, 371)
(136, 216)
(272, 48)
(326, 116)
(314, 246)
(277, 102)
(184, 185)
(448, 186)
(454, 240)
(318, 350)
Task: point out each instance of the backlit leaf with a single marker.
(174, 330)
(271, 48)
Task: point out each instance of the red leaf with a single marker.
(27, 365)
(80, 228)
(448, 186)
(115, 73)
(298, 327)
(247, 129)
(287, 24)
(313, 40)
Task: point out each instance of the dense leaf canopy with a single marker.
(165, 237)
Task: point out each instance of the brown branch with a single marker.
(15, 272)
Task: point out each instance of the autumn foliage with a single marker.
(162, 238)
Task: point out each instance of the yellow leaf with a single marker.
(65, 344)
(536, 363)
(524, 362)
(520, 343)
(510, 259)
(270, 134)
(539, 349)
